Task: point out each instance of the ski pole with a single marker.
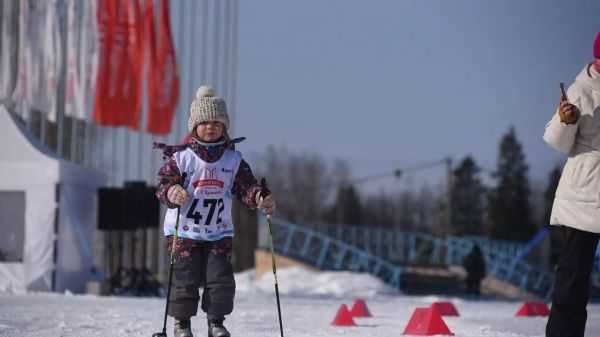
(164, 329)
(263, 184)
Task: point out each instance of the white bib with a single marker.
(207, 216)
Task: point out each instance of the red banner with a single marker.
(120, 63)
(163, 80)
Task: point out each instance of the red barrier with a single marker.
(426, 322)
(343, 317)
(445, 308)
(359, 309)
(533, 309)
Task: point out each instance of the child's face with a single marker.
(209, 131)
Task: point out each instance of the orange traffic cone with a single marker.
(445, 308)
(426, 322)
(343, 317)
(533, 309)
(359, 309)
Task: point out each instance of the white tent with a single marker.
(47, 215)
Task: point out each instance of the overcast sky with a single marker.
(386, 84)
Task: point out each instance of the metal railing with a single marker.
(372, 249)
(325, 252)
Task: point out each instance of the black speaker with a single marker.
(142, 208)
(110, 208)
(135, 199)
(153, 209)
(131, 207)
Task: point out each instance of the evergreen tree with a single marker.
(466, 213)
(509, 211)
(347, 205)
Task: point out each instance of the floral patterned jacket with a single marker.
(245, 185)
(245, 188)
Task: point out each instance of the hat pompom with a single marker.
(204, 91)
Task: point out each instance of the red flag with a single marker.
(120, 64)
(163, 80)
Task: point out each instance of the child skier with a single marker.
(215, 172)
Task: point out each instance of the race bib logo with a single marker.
(210, 179)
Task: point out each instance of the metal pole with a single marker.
(192, 51)
(203, 53)
(74, 127)
(113, 161)
(263, 184)
(216, 37)
(448, 214)
(126, 155)
(172, 263)
(100, 145)
(62, 79)
(192, 59)
(43, 126)
(87, 148)
(275, 273)
(233, 96)
(226, 38)
(181, 113)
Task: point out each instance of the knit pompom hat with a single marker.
(206, 108)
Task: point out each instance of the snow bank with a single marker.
(299, 281)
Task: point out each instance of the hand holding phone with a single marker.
(563, 96)
(568, 112)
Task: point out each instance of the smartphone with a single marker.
(562, 90)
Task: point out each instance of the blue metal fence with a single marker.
(325, 252)
(382, 252)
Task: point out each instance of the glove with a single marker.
(266, 204)
(568, 112)
(177, 195)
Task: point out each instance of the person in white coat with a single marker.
(575, 129)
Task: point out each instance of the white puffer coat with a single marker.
(577, 201)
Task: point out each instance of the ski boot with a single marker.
(216, 328)
(183, 328)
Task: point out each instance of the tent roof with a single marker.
(25, 160)
(18, 144)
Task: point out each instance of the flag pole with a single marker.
(217, 35)
(234, 62)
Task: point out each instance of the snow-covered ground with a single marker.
(309, 304)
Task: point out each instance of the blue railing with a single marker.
(325, 252)
(330, 246)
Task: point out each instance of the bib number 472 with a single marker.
(209, 207)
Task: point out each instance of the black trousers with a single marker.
(568, 314)
(202, 264)
(473, 286)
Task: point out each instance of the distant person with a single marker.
(474, 264)
(575, 129)
(215, 173)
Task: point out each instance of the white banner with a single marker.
(88, 59)
(52, 57)
(22, 95)
(35, 48)
(43, 55)
(72, 95)
(8, 46)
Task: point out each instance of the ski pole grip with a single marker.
(264, 190)
(183, 176)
